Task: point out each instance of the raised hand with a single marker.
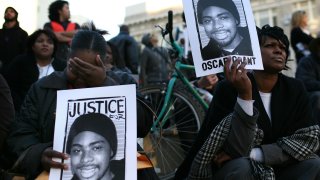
(237, 75)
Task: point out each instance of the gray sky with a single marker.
(107, 15)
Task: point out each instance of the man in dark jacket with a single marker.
(308, 71)
(155, 62)
(128, 48)
(12, 38)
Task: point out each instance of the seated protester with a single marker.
(38, 62)
(31, 138)
(308, 71)
(259, 125)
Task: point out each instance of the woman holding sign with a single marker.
(259, 124)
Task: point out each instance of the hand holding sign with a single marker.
(47, 162)
(237, 75)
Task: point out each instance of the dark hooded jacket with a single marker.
(12, 43)
(129, 50)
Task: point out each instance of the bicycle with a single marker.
(178, 113)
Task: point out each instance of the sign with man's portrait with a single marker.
(92, 128)
(219, 29)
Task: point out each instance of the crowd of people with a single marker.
(261, 124)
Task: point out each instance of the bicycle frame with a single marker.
(177, 74)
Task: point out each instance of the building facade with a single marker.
(148, 16)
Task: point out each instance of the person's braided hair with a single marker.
(89, 37)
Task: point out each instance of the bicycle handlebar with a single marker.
(169, 26)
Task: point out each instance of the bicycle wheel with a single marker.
(168, 146)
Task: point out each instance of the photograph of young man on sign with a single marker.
(92, 144)
(224, 28)
(220, 20)
(91, 128)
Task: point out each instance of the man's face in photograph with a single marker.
(220, 25)
(90, 155)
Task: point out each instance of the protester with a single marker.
(32, 135)
(33, 130)
(128, 48)
(259, 124)
(308, 71)
(221, 20)
(155, 65)
(60, 24)
(12, 38)
(300, 36)
(38, 62)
